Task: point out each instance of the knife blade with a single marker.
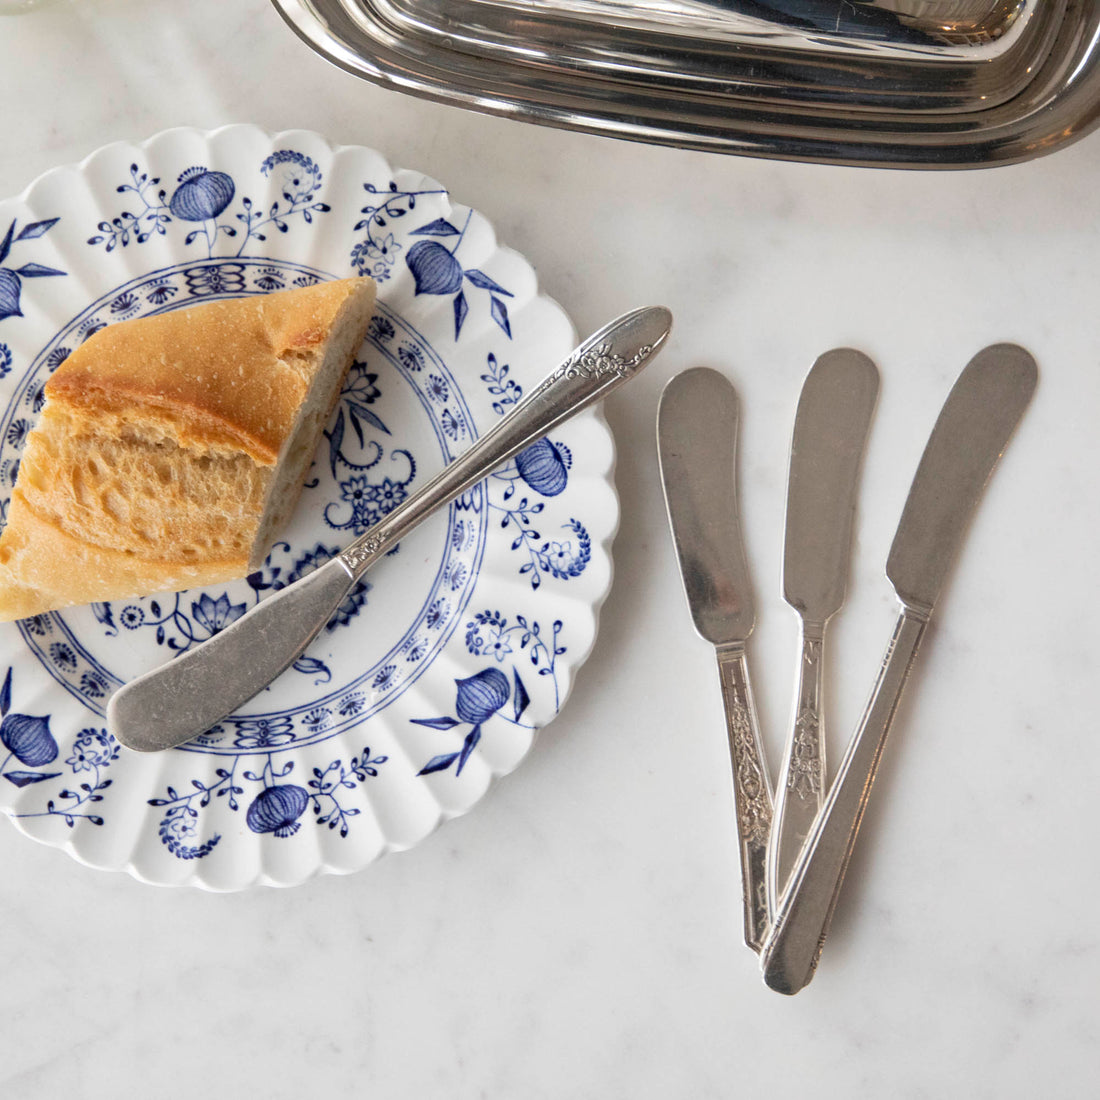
(179, 700)
(697, 426)
(973, 428)
(830, 436)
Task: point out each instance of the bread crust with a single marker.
(226, 375)
(169, 444)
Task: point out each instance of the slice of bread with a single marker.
(171, 449)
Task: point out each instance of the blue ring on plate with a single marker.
(70, 662)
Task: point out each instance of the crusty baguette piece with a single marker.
(171, 449)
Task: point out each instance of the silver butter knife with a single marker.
(697, 446)
(830, 436)
(176, 702)
(973, 428)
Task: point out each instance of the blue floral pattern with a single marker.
(377, 251)
(201, 198)
(364, 480)
(435, 266)
(490, 634)
(275, 804)
(365, 497)
(179, 621)
(483, 696)
(30, 742)
(477, 699)
(295, 763)
(12, 278)
(543, 468)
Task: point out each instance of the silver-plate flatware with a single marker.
(697, 445)
(184, 698)
(973, 428)
(830, 435)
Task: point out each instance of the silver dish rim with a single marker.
(812, 105)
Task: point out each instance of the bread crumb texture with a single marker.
(153, 464)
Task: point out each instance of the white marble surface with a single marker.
(577, 934)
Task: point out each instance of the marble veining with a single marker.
(579, 933)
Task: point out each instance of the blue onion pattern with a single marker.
(478, 698)
(377, 252)
(278, 805)
(276, 810)
(481, 696)
(10, 290)
(263, 779)
(543, 467)
(434, 269)
(201, 195)
(491, 634)
(11, 278)
(28, 739)
(371, 477)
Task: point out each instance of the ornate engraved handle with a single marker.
(752, 794)
(178, 701)
(801, 787)
(593, 370)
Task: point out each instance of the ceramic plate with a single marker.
(436, 671)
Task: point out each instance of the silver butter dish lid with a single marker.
(893, 83)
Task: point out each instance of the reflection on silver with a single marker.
(830, 434)
(971, 433)
(902, 83)
(697, 423)
(176, 702)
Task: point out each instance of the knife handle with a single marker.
(801, 787)
(607, 359)
(790, 956)
(180, 700)
(752, 794)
